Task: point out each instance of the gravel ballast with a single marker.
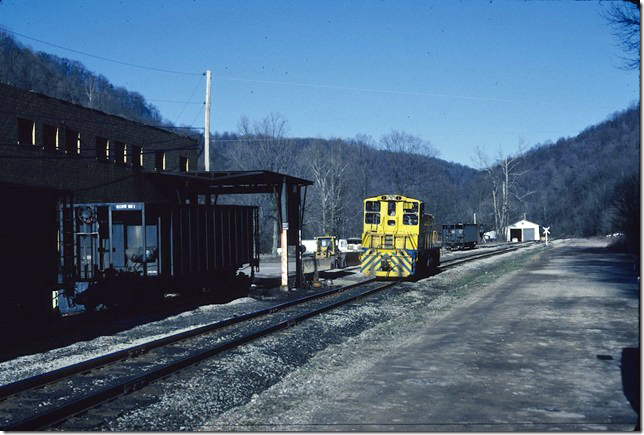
(288, 380)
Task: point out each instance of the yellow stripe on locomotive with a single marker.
(397, 240)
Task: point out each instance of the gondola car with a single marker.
(398, 239)
(131, 254)
(461, 236)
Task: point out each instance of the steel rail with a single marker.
(461, 260)
(63, 372)
(52, 416)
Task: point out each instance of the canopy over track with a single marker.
(189, 186)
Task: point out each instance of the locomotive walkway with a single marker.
(554, 348)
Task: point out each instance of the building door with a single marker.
(528, 234)
(515, 234)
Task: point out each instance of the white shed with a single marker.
(522, 231)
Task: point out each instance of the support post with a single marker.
(284, 237)
(206, 133)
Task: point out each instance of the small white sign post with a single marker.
(546, 231)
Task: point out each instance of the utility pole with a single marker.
(206, 133)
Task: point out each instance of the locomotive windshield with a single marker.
(372, 212)
(410, 216)
(372, 206)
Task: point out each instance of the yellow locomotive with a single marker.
(398, 240)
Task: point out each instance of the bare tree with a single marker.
(263, 145)
(361, 167)
(92, 91)
(624, 19)
(503, 174)
(328, 165)
(406, 162)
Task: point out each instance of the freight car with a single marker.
(460, 236)
(398, 239)
(131, 254)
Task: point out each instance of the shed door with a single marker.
(528, 234)
(515, 233)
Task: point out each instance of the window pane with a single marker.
(372, 206)
(50, 137)
(26, 132)
(410, 219)
(372, 218)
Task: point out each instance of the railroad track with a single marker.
(45, 400)
(476, 256)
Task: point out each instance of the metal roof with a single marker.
(226, 182)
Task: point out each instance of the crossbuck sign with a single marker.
(546, 231)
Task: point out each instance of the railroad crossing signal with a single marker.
(546, 231)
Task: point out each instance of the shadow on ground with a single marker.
(630, 369)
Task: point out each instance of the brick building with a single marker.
(52, 151)
(52, 144)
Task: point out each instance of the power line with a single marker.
(101, 57)
(385, 91)
(177, 102)
(189, 99)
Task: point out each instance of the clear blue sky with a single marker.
(457, 74)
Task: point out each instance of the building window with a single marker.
(120, 152)
(137, 156)
(159, 160)
(183, 164)
(26, 132)
(102, 148)
(50, 137)
(72, 142)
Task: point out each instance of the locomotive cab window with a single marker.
(372, 218)
(391, 208)
(410, 219)
(410, 207)
(372, 206)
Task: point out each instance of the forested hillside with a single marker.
(581, 186)
(345, 171)
(69, 80)
(575, 179)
